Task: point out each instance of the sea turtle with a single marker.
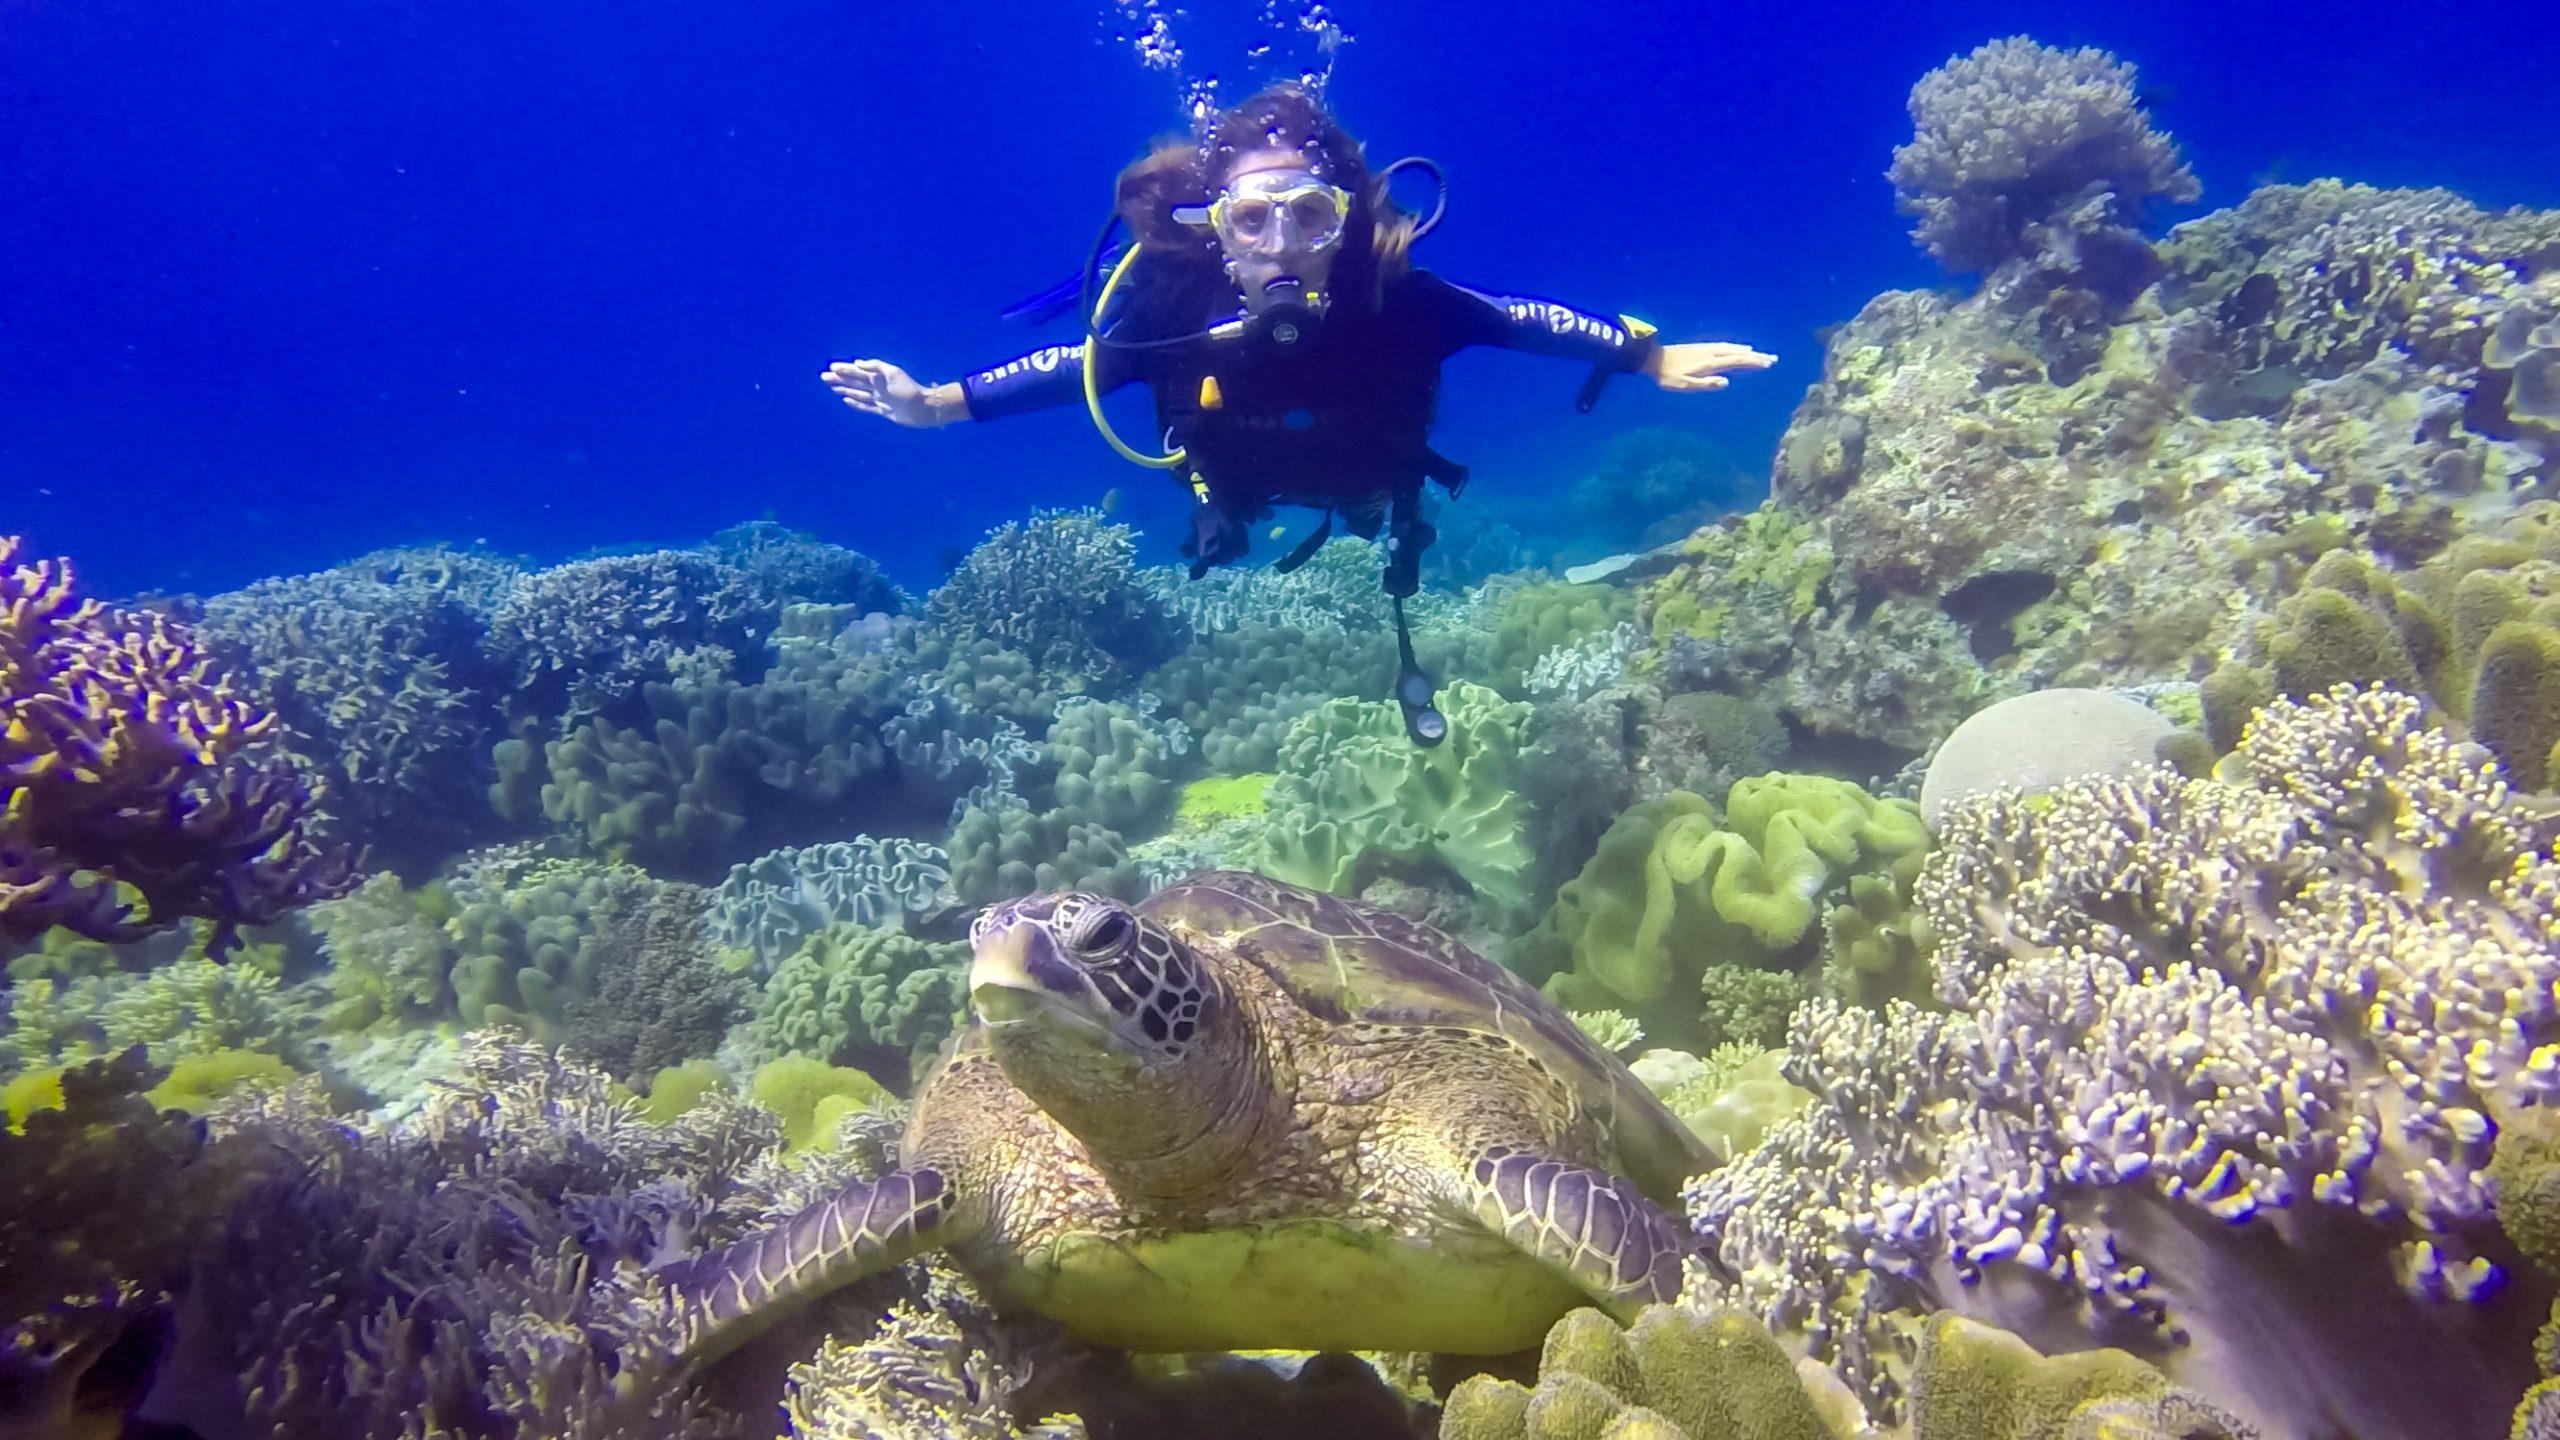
(1243, 1115)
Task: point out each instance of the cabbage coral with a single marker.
(122, 767)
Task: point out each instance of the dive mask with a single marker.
(1288, 208)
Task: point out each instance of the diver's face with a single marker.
(1278, 222)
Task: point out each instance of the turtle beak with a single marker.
(1017, 977)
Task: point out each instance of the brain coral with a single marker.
(2224, 1065)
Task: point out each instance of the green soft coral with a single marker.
(1355, 794)
(1676, 890)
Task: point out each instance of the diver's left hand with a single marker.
(1703, 364)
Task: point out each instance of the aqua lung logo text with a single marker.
(1565, 320)
(1044, 360)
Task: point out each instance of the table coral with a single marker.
(2224, 1067)
(125, 775)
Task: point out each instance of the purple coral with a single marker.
(2220, 1088)
(122, 764)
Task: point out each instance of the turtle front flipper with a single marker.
(1595, 1227)
(734, 1292)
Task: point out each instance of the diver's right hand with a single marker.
(876, 387)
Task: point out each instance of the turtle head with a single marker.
(1077, 973)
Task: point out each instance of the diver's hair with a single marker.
(1377, 238)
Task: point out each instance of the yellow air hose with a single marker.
(1093, 395)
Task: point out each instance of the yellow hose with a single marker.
(1093, 396)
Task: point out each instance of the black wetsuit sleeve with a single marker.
(1523, 322)
(1049, 376)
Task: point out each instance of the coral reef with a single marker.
(768, 906)
(585, 638)
(104, 1201)
(1656, 484)
(1063, 591)
(1998, 497)
(2035, 741)
(1004, 850)
(1680, 1372)
(1353, 795)
(2475, 629)
(125, 777)
(786, 567)
(2016, 135)
(376, 672)
(875, 999)
(1677, 891)
(1239, 691)
(660, 997)
(2224, 1071)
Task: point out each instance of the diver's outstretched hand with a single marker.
(876, 387)
(1702, 365)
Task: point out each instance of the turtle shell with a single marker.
(1346, 961)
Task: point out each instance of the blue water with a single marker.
(283, 282)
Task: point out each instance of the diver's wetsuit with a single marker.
(1340, 420)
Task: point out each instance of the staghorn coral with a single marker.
(586, 638)
(124, 772)
(458, 1275)
(2210, 1039)
(375, 670)
(1061, 590)
(2018, 133)
(875, 999)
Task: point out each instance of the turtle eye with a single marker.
(1105, 933)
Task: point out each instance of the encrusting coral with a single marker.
(124, 772)
(2219, 1086)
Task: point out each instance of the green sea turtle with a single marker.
(1242, 1115)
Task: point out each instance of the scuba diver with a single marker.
(1293, 350)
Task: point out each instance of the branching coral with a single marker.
(1063, 591)
(458, 1276)
(379, 681)
(583, 638)
(661, 997)
(2225, 1067)
(122, 771)
(2016, 133)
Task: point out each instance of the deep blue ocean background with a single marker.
(284, 282)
